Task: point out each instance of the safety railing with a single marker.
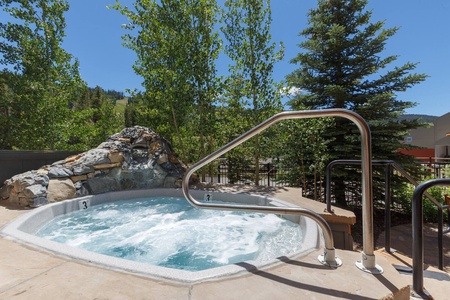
(368, 258)
(389, 164)
(417, 232)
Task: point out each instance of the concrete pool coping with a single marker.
(28, 273)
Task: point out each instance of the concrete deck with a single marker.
(27, 273)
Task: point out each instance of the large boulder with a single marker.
(135, 158)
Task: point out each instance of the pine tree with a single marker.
(97, 100)
(93, 119)
(341, 66)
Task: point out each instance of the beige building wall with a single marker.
(437, 136)
(421, 137)
(442, 127)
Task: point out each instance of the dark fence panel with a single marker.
(17, 162)
(437, 169)
(269, 175)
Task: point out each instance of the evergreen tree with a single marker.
(93, 119)
(341, 66)
(114, 95)
(98, 98)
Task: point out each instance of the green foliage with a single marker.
(305, 155)
(121, 106)
(114, 95)
(340, 66)
(250, 88)
(6, 121)
(176, 47)
(93, 119)
(44, 103)
(41, 77)
(430, 210)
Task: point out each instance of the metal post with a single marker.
(328, 177)
(440, 237)
(368, 258)
(417, 233)
(218, 173)
(328, 188)
(387, 209)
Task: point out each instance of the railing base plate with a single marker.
(423, 295)
(337, 262)
(375, 271)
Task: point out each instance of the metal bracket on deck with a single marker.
(329, 259)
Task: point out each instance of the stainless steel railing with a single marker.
(368, 258)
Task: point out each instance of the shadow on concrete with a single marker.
(289, 261)
(299, 285)
(401, 241)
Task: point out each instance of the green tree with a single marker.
(302, 152)
(42, 77)
(6, 122)
(176, 48)
(205, 47)
(253, 55)
(341, 66)
(93, 119)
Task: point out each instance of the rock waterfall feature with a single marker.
(135, 158)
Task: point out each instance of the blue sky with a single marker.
(94, 37)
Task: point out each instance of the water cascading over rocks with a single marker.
(135, 158)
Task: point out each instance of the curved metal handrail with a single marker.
(368, 258)
(417, 231)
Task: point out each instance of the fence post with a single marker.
(218, 173)
(387, 209)
(417, 232)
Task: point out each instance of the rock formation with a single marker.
(135, 158)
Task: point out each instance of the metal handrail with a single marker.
(417, 231)
(387, 163)
(387, 199)
(374, 162)
(342, 162)
(368, 257)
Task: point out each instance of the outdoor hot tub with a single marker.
(24, 229)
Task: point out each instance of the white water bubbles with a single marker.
(168, 232)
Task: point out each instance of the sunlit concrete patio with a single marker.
(28, 273)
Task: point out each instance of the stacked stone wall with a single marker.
(135, 158)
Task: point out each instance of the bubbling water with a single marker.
(168, 232)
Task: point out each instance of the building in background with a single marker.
(434, 143)
(433, 140)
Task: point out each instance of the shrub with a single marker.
(430, 210)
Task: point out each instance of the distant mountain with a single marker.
(424, 118)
